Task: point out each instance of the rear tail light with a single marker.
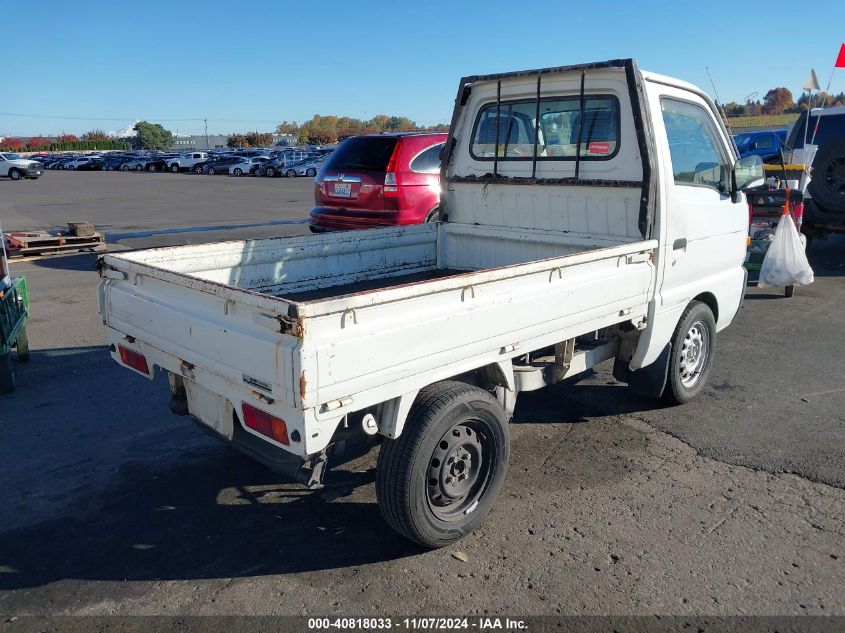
(391, 181)
(265, 424)
(133, 359)
(391, 187)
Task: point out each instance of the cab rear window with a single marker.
(508, 132)
(362, 153)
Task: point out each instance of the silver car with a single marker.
(308, 167)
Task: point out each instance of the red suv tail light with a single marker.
(266, 424)
(133, 359)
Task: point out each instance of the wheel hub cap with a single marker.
(454, 468)
(694, 352)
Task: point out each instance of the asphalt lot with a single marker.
(733, 504)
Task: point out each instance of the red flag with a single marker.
(840, 61)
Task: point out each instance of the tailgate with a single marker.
(234, 334)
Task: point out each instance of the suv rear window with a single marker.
(362, 153)
(831, 128)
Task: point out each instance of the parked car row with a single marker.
(290, 162)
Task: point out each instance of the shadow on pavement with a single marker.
(106, 484)
(81, 261)
(213, 514)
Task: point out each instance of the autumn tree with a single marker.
(95, 135)
(66, 138)
(38, 142)
(12, 144)
(777, 100)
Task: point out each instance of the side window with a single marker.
(694, 147)
(765, 141)
(559, 133)
(428, 161)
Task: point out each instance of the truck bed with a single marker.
(330, 325)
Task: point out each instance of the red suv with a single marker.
(379, 180)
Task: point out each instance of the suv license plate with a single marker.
(342, 190)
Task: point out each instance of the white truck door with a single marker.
(705, 231)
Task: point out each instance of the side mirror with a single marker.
(747, 172)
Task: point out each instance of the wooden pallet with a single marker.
(41, 242)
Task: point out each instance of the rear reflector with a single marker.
(266, 424)
(133, 359)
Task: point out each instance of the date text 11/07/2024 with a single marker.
(418, 624)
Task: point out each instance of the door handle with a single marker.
(679, 244)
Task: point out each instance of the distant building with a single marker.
(284, 140)
(198, 141)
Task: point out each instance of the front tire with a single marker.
(238, 172)
(691, 357)
(290, 173)
(439, 479)
(212, 171)
(271, 172)
(14, 174)
(174, 168)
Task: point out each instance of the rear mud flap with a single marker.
(647, 381)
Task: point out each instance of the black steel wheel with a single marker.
(7, 373)
(439, 479)
(693, 346)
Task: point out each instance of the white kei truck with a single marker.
(589, 213)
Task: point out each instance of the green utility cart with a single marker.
(14, 312)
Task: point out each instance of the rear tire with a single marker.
(691, 357)
(789, 291)
(439, 479)
(433, 215)
(311, 172)
(7, 373)
(124, 168)
(271, 172)
(212, 171)
(238, 172)
(290, 173)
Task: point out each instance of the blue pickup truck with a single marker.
(765, 144)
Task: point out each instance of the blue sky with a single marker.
(250, 64)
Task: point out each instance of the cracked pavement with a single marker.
(731, 505)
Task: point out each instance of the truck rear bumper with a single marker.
(218, 402)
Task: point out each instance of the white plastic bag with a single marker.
(786, 262)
